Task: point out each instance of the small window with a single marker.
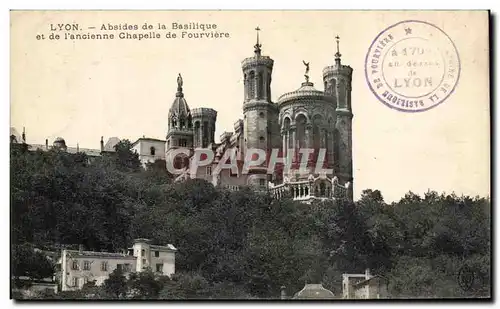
(262, 138)
(143, 253)
(104, 266)
(86, 265)
(209, 170)
(157, 253)
(262, 182)
(74, 282)
(74, 265)
(159, 268)
(261, 115)
(152, 151)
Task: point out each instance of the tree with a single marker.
(124, 158)
(145, 284)
(116, 284)
(28, 262)
(186, 286)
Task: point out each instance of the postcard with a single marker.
(250, 154)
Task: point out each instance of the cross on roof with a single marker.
(337, 55)
(257, 46)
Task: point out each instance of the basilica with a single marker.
(302, 118)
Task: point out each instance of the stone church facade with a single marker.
(303, 118)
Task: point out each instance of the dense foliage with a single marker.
(244, 244)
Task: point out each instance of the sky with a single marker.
(82, 90)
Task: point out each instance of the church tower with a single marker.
(337, 80)
(261, 129)
(204, 121)
(180, 124)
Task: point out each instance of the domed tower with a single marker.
(204, 120)
(337, 80)
(60, 144)
(260, 121)
(180, 123)
(306, 119)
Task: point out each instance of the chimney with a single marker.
(102, 143)
(47, 144)
(367, 274)
(80, 248)
(283, 292)
(24, 135)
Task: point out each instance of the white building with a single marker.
(79, 267)
(149, 149)
(363, 286)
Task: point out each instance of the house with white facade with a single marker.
(79, 267)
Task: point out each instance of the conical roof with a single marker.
(179, 106)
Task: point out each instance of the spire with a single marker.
(258, 45)
(77, 147)
(337, 54)
(179, 86)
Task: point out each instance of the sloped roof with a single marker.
(111, 143)
(14, 132)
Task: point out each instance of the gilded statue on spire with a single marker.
(306, 74)
(179, 80)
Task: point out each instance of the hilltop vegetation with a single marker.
(243, 244)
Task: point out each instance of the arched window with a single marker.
(152, 151)
(268, 86)
(245, 86)
(205, 134)
(301, 130)
(182, 122)
(322, 189)
(336, 149)
(251, 85)
(260, 88)
(342, 103)
(316, 134)
(286, 129)
(197, 134)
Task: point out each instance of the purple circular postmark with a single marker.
(412, 66)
